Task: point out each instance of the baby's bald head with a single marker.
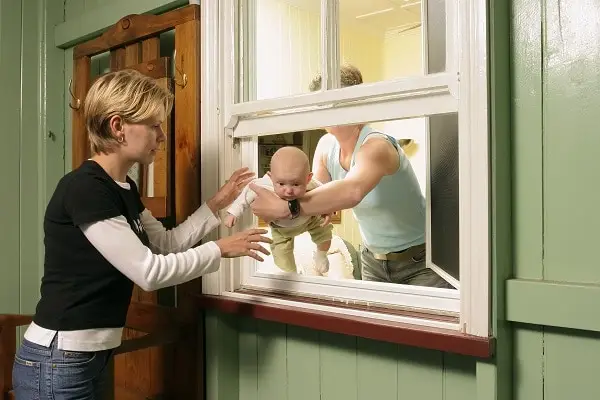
(290, 158)
(290, 172)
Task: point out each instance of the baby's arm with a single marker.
(237, 208)
(241, 203)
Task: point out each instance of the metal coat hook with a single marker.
(77, 101)
(184, 78)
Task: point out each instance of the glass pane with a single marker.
(282, 47)
(382, 239)
(443, 156)
(384, 38)
(436, 36)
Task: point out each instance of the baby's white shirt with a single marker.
(248, 195)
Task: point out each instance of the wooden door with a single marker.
(160, 357)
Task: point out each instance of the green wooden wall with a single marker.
(546, 281)
(32, 150)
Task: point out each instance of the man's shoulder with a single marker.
(327, 141)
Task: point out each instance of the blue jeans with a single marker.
(47, 373)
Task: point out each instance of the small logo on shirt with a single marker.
(138, 227)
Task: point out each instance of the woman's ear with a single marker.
(116, 126)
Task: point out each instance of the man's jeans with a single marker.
(409, 271)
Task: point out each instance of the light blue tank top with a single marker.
(391, 217)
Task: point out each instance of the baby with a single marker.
(289, 177)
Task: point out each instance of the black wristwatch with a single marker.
(294, 206)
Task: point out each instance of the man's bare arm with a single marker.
(375, 159)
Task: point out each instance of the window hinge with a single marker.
(235, 141)
(229, 127)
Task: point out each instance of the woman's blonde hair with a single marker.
(135, 97)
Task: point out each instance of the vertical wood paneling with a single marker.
(10, 115)
(221, 357)
(52, 74)
(338, 363)
(571, 140)
(248, 361)
(272, 379)
(282, 362)
(304, 380)
(528, 363)
(458, 378)
(377, 370)
(416, 366)
(31, 145)
(563, 350)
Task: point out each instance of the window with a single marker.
(424, 73)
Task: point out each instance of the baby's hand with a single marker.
(326, 219)
(230, 220)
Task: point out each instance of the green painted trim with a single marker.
(527, 137)
(494, 377)
(559, 304)
(92, 23)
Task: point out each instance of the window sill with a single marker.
(370, 328)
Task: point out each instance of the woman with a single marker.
(100, 240)
(368, 172)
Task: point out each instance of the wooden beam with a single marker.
(157, 68)
(134, 27)
(93, 22)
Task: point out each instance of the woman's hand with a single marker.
(230, 190)
(268, 206)
(244, 244)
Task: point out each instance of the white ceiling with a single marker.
(350, 9)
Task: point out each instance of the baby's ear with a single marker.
(269, 174)
(310, 175)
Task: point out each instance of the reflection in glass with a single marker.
(284, 48)
(436, 36)
(443, 156)
(382, 38)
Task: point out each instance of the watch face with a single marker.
(294, 208)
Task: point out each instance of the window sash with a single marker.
(441, 300)
(240, 40)
(399, 99)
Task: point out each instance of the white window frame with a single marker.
(465, 93)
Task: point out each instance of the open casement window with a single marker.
(424, 71)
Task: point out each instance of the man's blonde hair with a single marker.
(134, 97)
(349, 76)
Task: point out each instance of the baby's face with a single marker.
(290, 184)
